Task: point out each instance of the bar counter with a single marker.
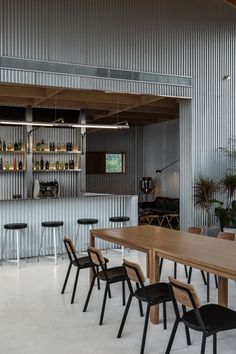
(88, 205)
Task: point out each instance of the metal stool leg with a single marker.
(18, 248)
(55, 245)
(76, 237)
(40, 245)
(3, 245)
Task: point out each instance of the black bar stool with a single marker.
(54, 225)
(119, 221)
(81, 222)
(17, 228)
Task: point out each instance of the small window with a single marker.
(114, 163)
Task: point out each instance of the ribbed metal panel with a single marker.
(127, 141)
(33, 212)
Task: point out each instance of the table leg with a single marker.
(92, 244)
(223, 291)
(147, 266)
(154, 278)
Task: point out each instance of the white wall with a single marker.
(160, 148)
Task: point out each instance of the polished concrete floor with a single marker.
(35, 318)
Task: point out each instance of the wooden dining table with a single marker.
(209, 254)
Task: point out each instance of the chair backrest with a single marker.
(96, 256)
(70, 248)
(134, 271)
(226, 236)
(195, 230)
(184, 293)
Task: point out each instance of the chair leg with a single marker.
(208, 287)
(164, 316)
(216, 281)
(123, 292)
(145, 329)
(139, 302)
(125, 316)
(186, 271)
(172, 337)
(190, 274)
(214, 343)
(203, 344)
(109, 291)
(175, 270)
(75, 286)
(204, 277)
(98, 280)
(89, 294)
(160, 266)
(103, 305)
(66, 279)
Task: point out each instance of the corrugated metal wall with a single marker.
(194, 38)
(128, 141)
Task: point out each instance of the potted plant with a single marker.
(204, 189)
(227, 215)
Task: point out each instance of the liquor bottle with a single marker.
(20, 165)
(41, 163)
(57, 165)
(14, 164)
(1, 165)
(0, 145)
(53, 147)
(19, 146)
(6, 165)
(42, 145)
(4, 147)
(66, 166)
(37, 165)
(50, 147)
(46, 165)
(16, 146)
(38, 146)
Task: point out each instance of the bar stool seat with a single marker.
(120, 220)
(18, 227)
(80, 222)
(15, 226)
(52, 225)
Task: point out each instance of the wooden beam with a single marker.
(17, 101)
(231, 2)
(21, 91)
(49, 93)
(144, 100)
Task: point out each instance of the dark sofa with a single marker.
(161, 206)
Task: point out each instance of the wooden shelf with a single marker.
(12, 152)
(12, 171)
(56, 152)
(68, 170)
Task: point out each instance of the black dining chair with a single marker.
(208, 319)
(109, 275)
(78, 262)
(153, 294)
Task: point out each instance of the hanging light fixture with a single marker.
(66, 125)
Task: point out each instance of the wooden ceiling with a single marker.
(231, 2)
(100, 106)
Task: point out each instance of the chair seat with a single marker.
(157, 293)
(215, 317)
(84, 262)
(87, 221)
(119, 218)
(52, 223)
(15, 226)
(114, 274)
